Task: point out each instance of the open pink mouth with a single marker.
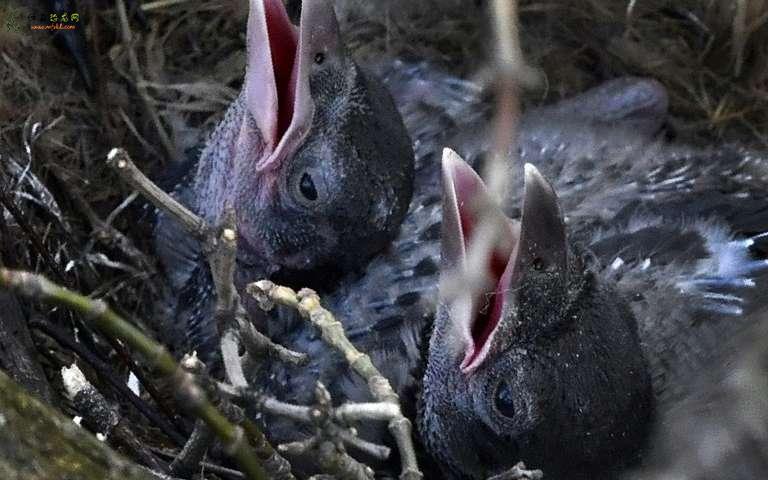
(538, 241)
(277, 79)
(467, 192)
(283, 45)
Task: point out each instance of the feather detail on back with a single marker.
(690, 285)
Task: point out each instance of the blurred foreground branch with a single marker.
(97, 313)
(39, 442)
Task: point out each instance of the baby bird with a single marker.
(601, 304)
(388, 311)
(313, 156)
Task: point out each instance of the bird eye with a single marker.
(319, 58)
(504, 403)
(538, 264)
(307, 187)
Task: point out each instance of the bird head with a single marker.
(322, 164)
(538, 362)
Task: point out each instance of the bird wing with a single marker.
(687, 248)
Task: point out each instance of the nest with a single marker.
(163, 85)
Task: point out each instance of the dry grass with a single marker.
(175, 78)
(711, 55)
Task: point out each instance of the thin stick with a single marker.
(119, 159)
(193, 452)
(344, 414)
(511, 73)
(307, 303)
(104, 417)
(106, 373)
(8, 203)
(739, 36)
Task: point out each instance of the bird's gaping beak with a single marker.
(280, 58)
(477, 312)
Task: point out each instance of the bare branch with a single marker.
(307, 303)
(104, 417)
(119, 159)
(193, 452)
(314, 415)
(277, 466)
(325, 446)
(256, 343)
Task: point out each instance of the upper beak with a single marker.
(280, 58)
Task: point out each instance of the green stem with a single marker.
(110, 323)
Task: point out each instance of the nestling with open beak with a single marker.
(313, 156)
(510, 372)
(651, 219)
(583, 332)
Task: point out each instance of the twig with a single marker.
(102, 317)
(9, 204)
(193, 452)
(231, 318)
(106, 373)
(278, 467)
(119, 159)
(222, 261)
(511, 73)
(350, 437)
(220, 251)
(103, 417)
(207, 466)
(739, 36)
(307, 303)
(147, 6)
(347, 468)
(202, 437)
(329, 452)
(343, 414)
(18, 354)
(103, 231)
(255, 341)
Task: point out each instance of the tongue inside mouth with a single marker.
(471, 203)
(272, 78)
(283, 46)
(487, 308)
